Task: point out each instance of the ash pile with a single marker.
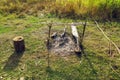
(65, 43)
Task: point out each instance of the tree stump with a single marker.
(19, 44)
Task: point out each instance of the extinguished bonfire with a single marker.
(64, 44)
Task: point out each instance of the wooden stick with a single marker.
(48, 42)
(107, 37)
(68, 24)
(110, 53)
(114, 70)
(84, 28)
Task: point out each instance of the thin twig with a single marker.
(114, 70)
(110, 53)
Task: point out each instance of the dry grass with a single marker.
(102, 9)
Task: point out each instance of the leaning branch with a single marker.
(107, 37)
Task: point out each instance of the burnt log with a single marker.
(54, 35)
(19, 44)
(76, 37)
(64, 33)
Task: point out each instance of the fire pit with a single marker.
(65, 43)
(62, 45)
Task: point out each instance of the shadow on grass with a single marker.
(13, 61)
(78, 54)
(54, 74)
(88, 60)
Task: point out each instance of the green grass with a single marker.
(95, 64)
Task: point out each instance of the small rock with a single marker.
(22, 78)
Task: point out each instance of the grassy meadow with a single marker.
(29, 18)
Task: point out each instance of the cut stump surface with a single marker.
(19, 44)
